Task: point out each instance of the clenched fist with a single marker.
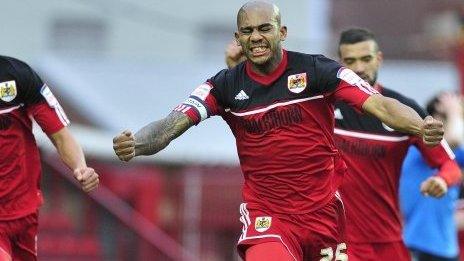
(234, 54)
(434, 186)
(124, 145)
(87, 177)
(432, 131)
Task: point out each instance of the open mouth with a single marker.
(259, 51)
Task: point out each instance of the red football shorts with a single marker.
(378, 251)
(18, 238)
(318, 235)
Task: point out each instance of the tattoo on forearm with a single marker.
(157, 135)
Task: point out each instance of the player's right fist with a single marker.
(432, 131)
(124, 145)
(434, 186)
(87, 177)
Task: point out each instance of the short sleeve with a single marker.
(343, 83)
(47, 112)
(39, 101)
(352, 89)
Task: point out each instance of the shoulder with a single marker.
(236, 71)
(322, 69)
(10, 63)
(300, 57)
(19, 70)
(227, 76)
(315, 60)
(325, 69)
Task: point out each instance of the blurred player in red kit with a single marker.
(23, 96)
(279, 106)
(374, 154)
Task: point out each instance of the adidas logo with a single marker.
(241, 96)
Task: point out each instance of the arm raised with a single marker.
(403, 118)
(234, 54)
(152, 138)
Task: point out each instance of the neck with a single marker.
(270, 66)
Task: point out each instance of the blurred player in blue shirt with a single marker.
(429, 226)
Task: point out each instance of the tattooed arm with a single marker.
(157, 135)
(151, 138)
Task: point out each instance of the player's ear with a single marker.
(283, 33)
(237, 38)
(380, 56)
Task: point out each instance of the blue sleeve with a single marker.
(459, 152)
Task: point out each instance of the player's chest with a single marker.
(260, 109)
(13, 119)
(292, 87)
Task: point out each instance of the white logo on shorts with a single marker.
(262, 223)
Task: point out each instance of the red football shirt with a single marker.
(23, 97)
(374, 154)
(283, 124)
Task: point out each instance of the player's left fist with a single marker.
(87, 177)
(432, 131)
(434, 186)
(124, 145)
(234, 54)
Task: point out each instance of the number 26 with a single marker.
(327, 254)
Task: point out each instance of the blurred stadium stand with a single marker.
(140, 212)
(411, 30)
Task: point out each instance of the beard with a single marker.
(373, 80)
(269, 63)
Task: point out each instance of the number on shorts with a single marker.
(327, 253)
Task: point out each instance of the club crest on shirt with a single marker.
(8, 91)
(262, 223)
(297, 82)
